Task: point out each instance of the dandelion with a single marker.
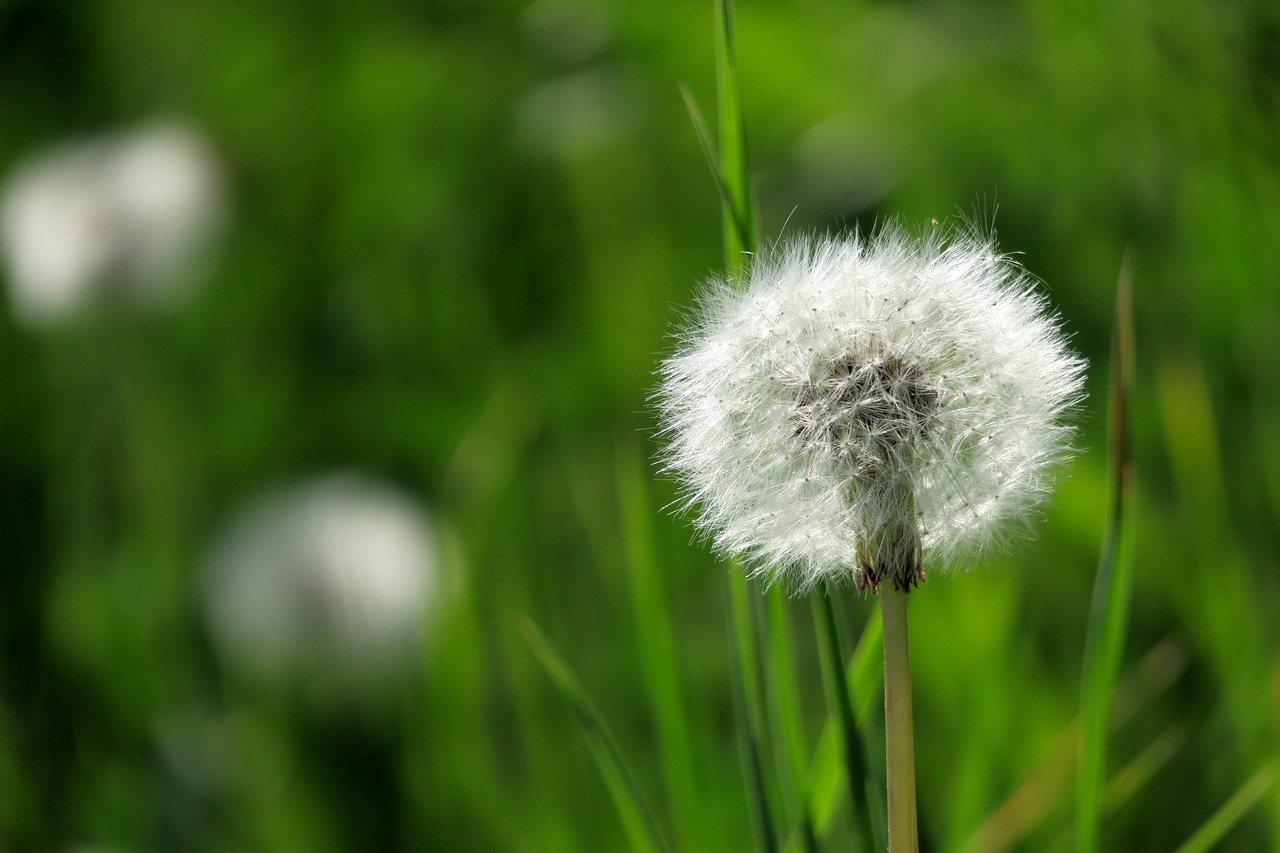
(328, 584)
(123, 217)
(863, 407)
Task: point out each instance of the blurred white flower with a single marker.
(329, 582)
(861, 407)
(123, 216)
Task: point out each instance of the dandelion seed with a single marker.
(862, 407)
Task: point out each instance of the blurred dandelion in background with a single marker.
(123, 218)
(327, 584)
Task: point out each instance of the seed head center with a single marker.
(868, 414)
(866, 411)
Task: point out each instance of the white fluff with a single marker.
(855, 388)
(122, 217)
(330, 581)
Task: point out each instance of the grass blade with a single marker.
(658, 654)
(745, 630)
(745, 665)
(637, 819)
(739, 221)
(1232, 810)
(789, 732)
(841, 703)
(1109, 610)
(864, 674)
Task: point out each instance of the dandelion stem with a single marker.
(899, 740)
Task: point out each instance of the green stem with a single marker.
(899, 740)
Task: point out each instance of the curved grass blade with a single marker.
(841, 703)
(637, 819)
(727, 203)
(1232, 810)
(1109, 611)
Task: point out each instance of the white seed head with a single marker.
(858, 408)
(124, 216)
(329, 582)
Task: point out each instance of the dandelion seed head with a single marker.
(329, 583)
(121, 218)
(857, 408)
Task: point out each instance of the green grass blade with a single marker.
(826, 773)
(841, 704)
(789, 729)
(658, 654)
(739, 220)
(748, 698)
(745, 630)
(1109, 610)
(1221, 822)
(637, 819)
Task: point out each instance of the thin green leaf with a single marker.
(840, 701)
(1109, 611)
(1221, 822)
(658, 653)
(637, 819)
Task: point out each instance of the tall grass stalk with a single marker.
(1109, 610)
(739, 241)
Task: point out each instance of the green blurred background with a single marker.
(460, 237)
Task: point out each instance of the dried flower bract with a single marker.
(859, 407)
